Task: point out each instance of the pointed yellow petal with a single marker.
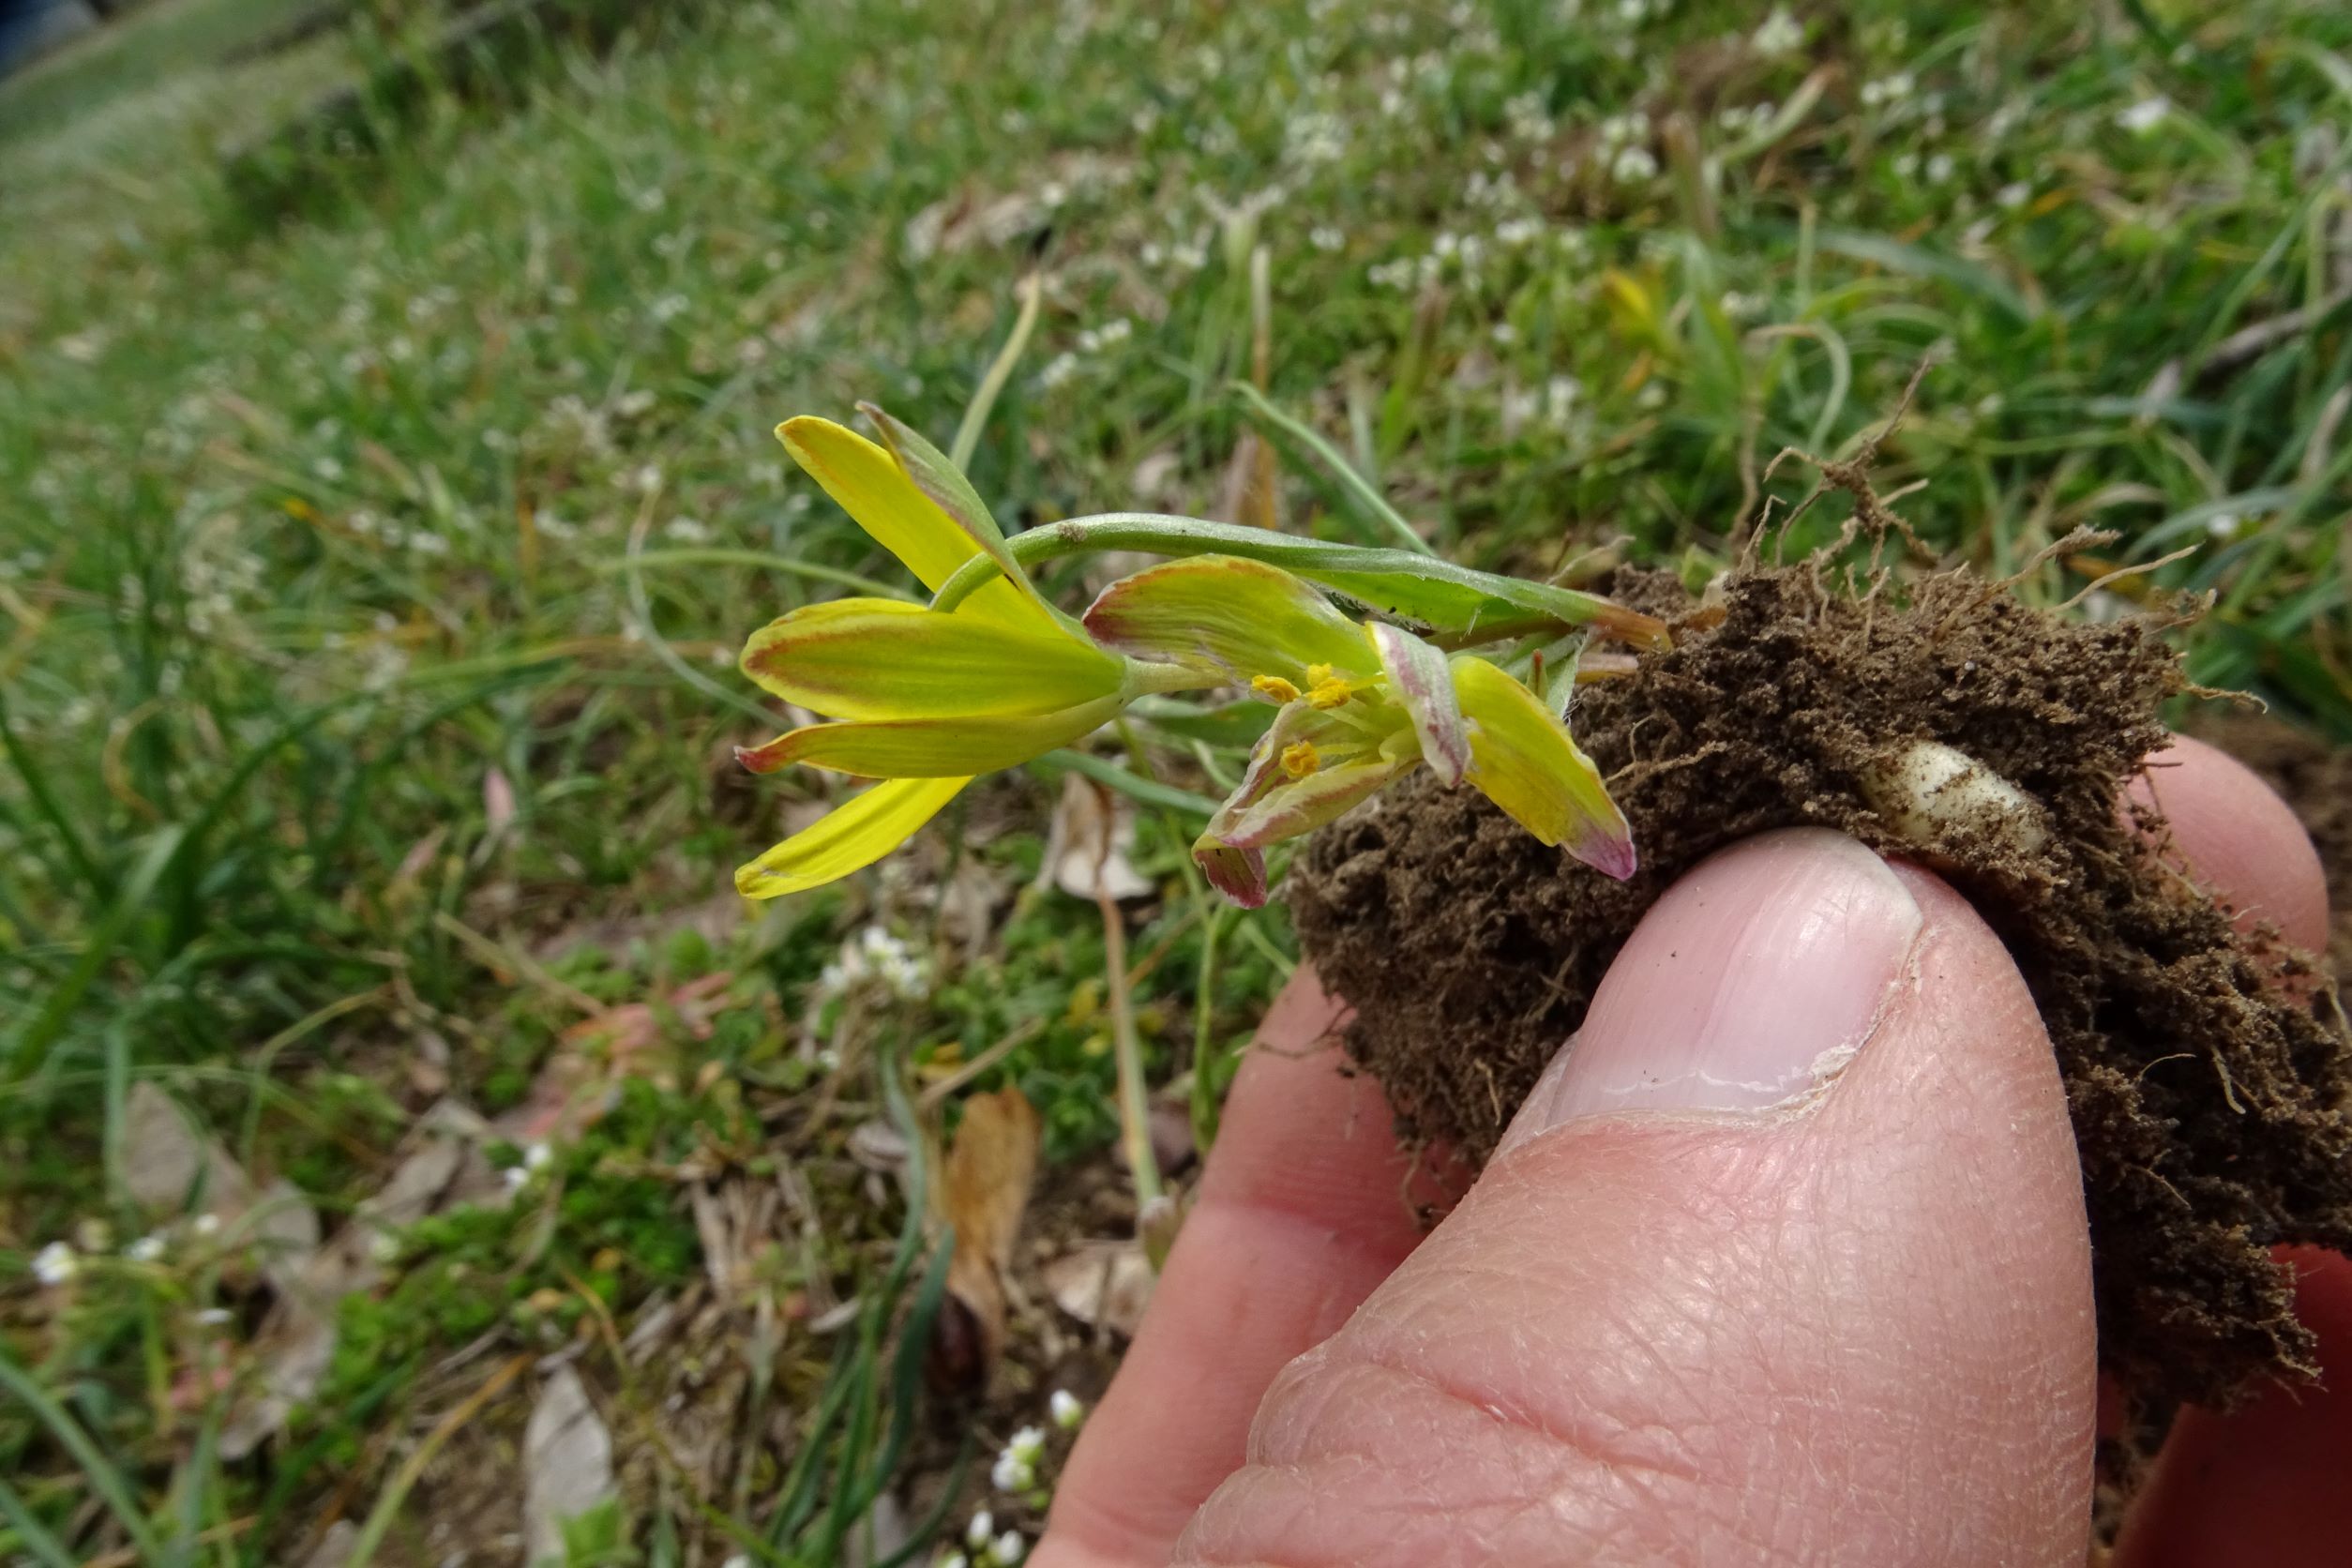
(1241, 618)
(869, 485)
(929, 748)
(877, 659)
(1523, 760)
(847, 838)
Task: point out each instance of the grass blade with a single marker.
(1354, 488)
(104, 1478)
(37, 1036)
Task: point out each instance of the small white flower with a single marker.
(1781, 34)
(983, 1526)
(146, 1249)
(1028, 1444)
(2222, 525)
(536, 1157)
(1012, 1473)
(56, 1263)
(515, 1177)
(1634, 166)
(1887, 89)
(207, 1224)
(213, 1316)
(1066, 1410)
(1008, 1549)
(953, 1559)
(2145, 116)
(1505, 334)
(1327, 237)
(2016, 193)
(1939, 168)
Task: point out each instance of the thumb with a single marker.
(1784, 1260)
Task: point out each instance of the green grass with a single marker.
(312, 529)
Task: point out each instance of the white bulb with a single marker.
(1931, 794)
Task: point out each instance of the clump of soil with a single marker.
(2208, 1097)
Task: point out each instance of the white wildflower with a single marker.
(983, 1526)
(56, 1263)
(1007, 1549)
(146, 1249)
(214, 1316)
(2145, 116)
(1887, 89)
(1634, 166)
(2016, 193)
(1327, 237)
(686, 531)
(1781, 34)
(1065, 1409)
(1012, 1473)
(207, 1224)
(2224, 525)
(1939, 168)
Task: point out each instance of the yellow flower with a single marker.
(1360, 705)
(924, 699)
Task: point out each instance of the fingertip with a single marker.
(2233, 832)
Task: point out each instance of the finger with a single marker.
(1785, 1259)
(2238, 838)
(2264, 1484)
(2263, 1488)
(1302, 1211)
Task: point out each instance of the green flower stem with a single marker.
(1429, 589)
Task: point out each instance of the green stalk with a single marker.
(1425, 588)
(984, 398)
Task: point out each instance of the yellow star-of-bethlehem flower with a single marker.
(924, 699)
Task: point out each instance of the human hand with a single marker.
(1786, 1262)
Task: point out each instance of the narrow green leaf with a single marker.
(104, 1478)
(1427, 589)
(1353, 487)
(25, 1053)
(1919, 261)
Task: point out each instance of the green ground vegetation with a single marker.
(370, 578)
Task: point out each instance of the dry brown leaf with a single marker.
(566, 1463)
(1087, 846)
(982, 1193)
(1103, 1284)
(170, 1165)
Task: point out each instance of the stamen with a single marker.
(1275, 688)
(1300, 759)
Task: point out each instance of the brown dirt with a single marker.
(2208, 1103)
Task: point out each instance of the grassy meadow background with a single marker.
(376, 536)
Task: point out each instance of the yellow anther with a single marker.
(1331, 693)
(1275, 688)
(1300, 759)
(1325, 688)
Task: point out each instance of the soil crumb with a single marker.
(2207, 1073)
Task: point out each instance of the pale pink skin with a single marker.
(1853, 1329)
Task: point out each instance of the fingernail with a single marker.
(1747, 987)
